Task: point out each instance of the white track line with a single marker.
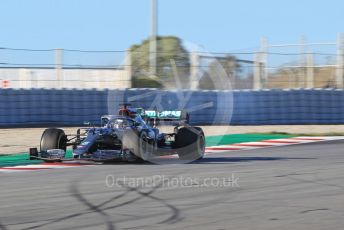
(209, 150)
(35, 167)
(269, 143)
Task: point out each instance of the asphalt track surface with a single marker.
(291, 187)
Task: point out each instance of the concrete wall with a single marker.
(20, 107)
(65, 78)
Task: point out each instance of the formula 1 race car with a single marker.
(132, 135)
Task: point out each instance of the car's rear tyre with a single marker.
(146, 146)
(190, 143)
(53, 138)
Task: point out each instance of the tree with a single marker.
(171, 56)
(211, 79)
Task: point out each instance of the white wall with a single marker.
(68, 78)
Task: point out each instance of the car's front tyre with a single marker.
(53, 138)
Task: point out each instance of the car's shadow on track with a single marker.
(223, 160)
(210, 160)
(213, 160)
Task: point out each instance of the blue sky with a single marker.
(217, 25)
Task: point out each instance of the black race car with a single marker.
(132, 135)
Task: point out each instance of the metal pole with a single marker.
(310, 71)
(128, 69)
(264, 60)
(194, 64)
(257, 76)
(58, 66)
(340, 61)
(303, 61)
(152, 44)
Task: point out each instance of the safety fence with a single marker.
(72, 107)
(300, 64)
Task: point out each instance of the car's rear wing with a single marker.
(167, 115)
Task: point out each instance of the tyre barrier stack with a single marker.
(72, 107)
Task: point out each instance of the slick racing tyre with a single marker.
(190, 143)
(53, 138)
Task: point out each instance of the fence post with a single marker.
(153, 40)
(58, 67)
(340, 60)
(194, 64)
(302, 75)
(257, 75)
(24, 78)
(128, 69)
(264, 46)
(310, 71)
